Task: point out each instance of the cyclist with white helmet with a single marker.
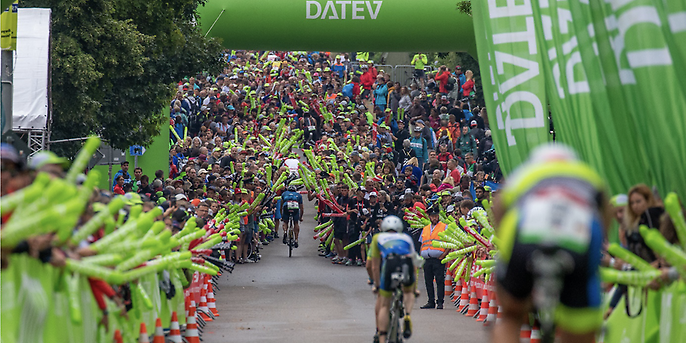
(291, 207)
(391, 250)
(552, 212)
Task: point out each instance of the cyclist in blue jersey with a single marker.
(291, 207)
(390, 251)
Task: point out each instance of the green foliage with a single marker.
(465, 7)
(114, 63)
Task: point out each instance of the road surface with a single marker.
(306, 298)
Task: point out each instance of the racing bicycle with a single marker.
(397, 309)
(549, 266)
(290, 234)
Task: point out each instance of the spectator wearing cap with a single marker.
(13, 175)
(420, 146)
(124, 172)
(427, 133)
(48, 162)
(475, 131)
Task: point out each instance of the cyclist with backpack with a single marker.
(291, 208)
(392, 251)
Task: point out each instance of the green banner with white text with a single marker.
(612, 73)
(512, 78)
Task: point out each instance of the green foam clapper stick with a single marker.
(81, 160)
(110, 276)
(27, 195)
(629, 257)
(103, 259)
(673, 207)
(98, 220)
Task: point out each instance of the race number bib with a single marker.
(311, 128)
(292, 205)
(556, 220)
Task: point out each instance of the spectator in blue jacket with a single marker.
(124, 172)
(419, 145)
(380, 93)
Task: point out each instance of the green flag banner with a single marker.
(640, 65)
(576, 93)
(376, 25)
(512, 77)
(613, 76)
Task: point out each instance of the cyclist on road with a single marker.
(291, 207)
(390, 251)
(555, 202)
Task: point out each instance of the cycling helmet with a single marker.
(292, 188)
(392, 223)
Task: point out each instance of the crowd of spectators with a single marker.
(424, 141)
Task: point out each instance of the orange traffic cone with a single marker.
(535, 334)
(204, 311)
(464, 299)
(525, 334)
(492, 307)
(159, 332)
(484, 307)
(448, 284)
(211, 302)
(117, 337)
(479, 288)
(191, 327)
(473, 303)
(174, 329)
(143, 335)
(457, 292)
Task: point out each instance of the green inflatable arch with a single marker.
(339, 25)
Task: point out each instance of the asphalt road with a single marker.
(305, 298)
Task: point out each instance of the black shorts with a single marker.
(419, 73)
(395, 264)
(288, 214)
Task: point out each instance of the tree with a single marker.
(113, 65)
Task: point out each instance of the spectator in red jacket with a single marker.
(367, 81)
(442, 78)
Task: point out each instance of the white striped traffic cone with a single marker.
(191, 327)
(159, 332)
(143, 335)
(174, 329)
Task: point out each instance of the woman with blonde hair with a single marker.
(468, 85)
(447, 183)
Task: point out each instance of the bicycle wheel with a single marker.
(394, 334)
(290, 238)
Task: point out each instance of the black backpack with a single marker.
(451, 84)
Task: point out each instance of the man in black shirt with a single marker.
(356, 206)
(340, 226)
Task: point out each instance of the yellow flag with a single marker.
(8, 19)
